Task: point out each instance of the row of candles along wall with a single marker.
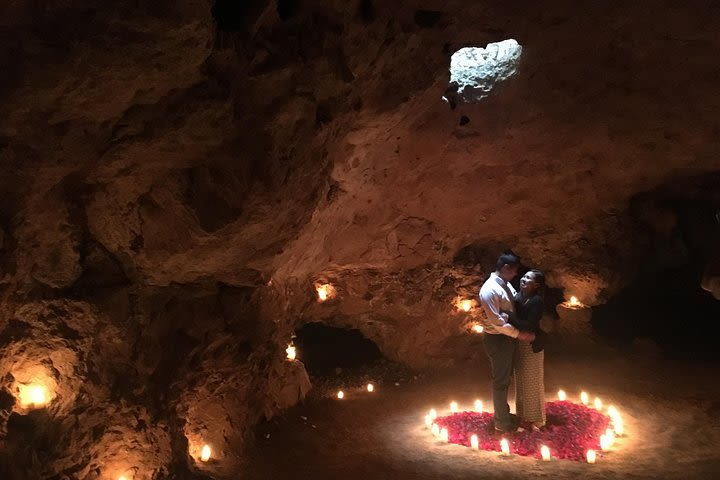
(326, 291)
(606, 440)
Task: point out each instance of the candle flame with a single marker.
(598, 403)
(562, 396)
(322, 292)
(584, 398)
(433, 413)
(474, 442)
(477, 328)
(341, 394)
(618, 426)
(444, 435)
(291, 352)
(33, 395)
(453, 407)
(612, 411)
(370, 387)
(591, 456)
(205, 453)
(604, 442)
(574, 301)
(478, 406)
(428, 421)
(435, 429)
(466, 305)
(545, 453)
(504, 447)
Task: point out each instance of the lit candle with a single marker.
(474, 442)
(612, 411)
(428, 421)
(453, 407)
(435, 429)
(545, 453)
(33, 395)
(604, 443)
(433, 413)
(618, 426)
(504, 447)
(341, 394)
(291, 353)
(205, 453)
(477, 328)
(574, 301)
(598, 403)
(610, 434)
(444, 435)
(466, 305)
(478, 406)
(584, 398)
(562, 396)
(591, 456)
(370, 387)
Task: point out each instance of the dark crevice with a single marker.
(323, 349)
(427, 18)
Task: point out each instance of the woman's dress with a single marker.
(529, 360)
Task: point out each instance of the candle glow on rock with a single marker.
(545, 453)
(591, 456)
(584, 398)
(291, 352)
(33, 395)
(453, 407)
(478, 406)
(562, 396)
(504, 447)
(205, 453)
(474, 442)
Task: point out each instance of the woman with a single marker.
(529, 357)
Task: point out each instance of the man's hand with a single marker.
(526, 337)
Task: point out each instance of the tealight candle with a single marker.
(591, 456)
(466, 305)
(477, 328)
(428, 421)
(291, 352)
(444, 435)
(562, 396)
(574, 301)
(322, 292)
(598, 403)
(504, 447)
(435, 429)
(604, 442)
(205, 453)
(433, 413)
(370, 387)
(474, 442)
(545, 453)
(453, 407)
(478, 406)
(584, 398)
(341, 394)
(618, 426)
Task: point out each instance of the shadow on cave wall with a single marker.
(677, 234)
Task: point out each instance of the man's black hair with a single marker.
(507, 259)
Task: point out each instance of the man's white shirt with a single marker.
(496, 296)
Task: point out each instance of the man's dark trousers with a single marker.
(501, 350)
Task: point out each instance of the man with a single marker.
(496, 298)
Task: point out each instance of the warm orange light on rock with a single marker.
(205, 453)
(34, 395)
(324, 291)
(291, 352)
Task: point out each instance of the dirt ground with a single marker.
(671, 411)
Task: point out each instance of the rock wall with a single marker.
(173, 184)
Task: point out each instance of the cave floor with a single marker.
(671, 411)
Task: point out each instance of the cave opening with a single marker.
(325, 350)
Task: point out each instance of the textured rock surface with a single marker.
(173, 186)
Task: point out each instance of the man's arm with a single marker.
(491, 305)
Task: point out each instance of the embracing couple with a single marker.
(514, 342)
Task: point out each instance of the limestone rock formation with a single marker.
(176, 176)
